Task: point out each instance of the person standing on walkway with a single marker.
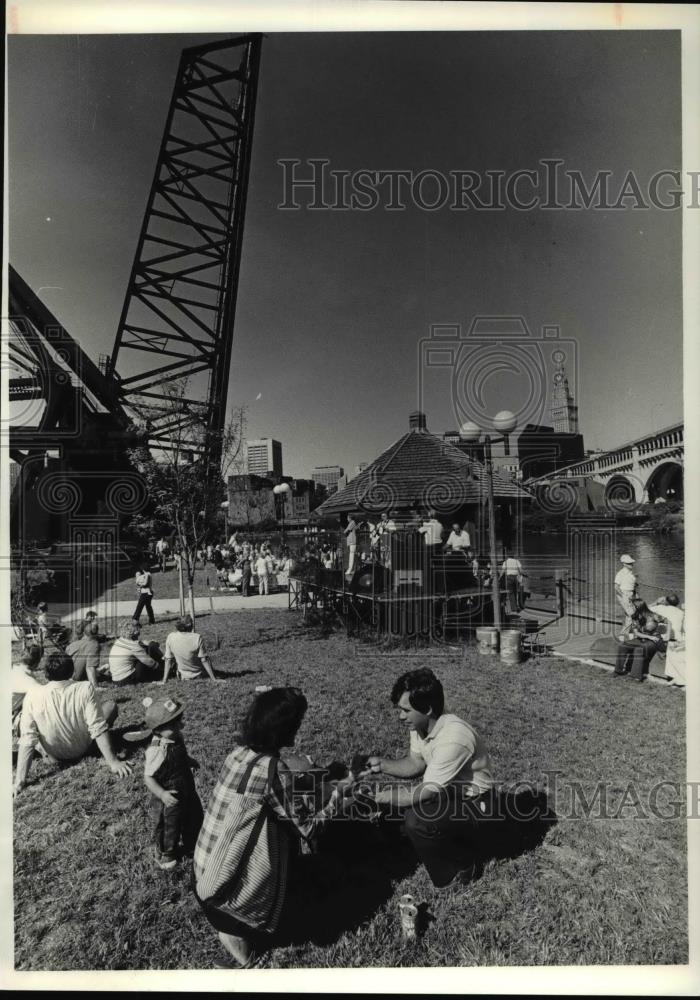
(245, 579)
(262, 570)
(512, 570)
(626, 590)
(145, 592)
(162, 553)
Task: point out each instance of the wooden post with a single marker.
(559, 586)
(495, 585)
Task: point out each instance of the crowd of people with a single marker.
(240, 565)
(245, 840)
(64, 715)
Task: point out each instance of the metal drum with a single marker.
(487, 638)
(511, 645)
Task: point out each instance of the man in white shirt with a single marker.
(456, 790)
(24, 679)
(458, 540)
(262, 569)
(186, 649)
(350, 532)
(64, 717)
(668, 608)
(145, 592)
(162, 552)
(432, 531)
(626, 590)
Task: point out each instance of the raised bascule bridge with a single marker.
(74, 420)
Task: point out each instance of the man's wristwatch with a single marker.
(376, 768)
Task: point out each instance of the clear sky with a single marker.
(332, 305)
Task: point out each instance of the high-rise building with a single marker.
(328, 476)
(563, 413)
(264, 457)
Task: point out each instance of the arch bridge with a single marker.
(646, 470)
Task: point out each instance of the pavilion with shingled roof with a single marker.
(422, 472)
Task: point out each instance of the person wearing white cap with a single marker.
(626, 590)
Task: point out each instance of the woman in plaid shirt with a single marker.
(243, 898)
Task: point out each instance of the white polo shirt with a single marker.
(187, 649)
(454, 753)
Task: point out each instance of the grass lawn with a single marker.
(596, 891)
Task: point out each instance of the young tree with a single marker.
(185, 481)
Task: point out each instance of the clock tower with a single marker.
(563, 414)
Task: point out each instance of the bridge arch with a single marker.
(665, 482)
(622, 494)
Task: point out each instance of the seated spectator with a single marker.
(91, 619)
(85, 652)
(646, 636)
(64, 717)
(186, 649)
(130, 662)
(667, 608)
(24, 679)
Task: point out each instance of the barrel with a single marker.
(487, 639)
(511, 639)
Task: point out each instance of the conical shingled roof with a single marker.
(419, 470)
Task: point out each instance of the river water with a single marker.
(590, 563)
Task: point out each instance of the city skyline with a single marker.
(333, 305)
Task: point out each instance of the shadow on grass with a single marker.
(355, 871)
(527, 818)
(342, 887)
(224, 675)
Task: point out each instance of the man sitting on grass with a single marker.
(443, 813)
(24, 680)
(64, 717)
(186, 649)
(130, 662)
(85, 651)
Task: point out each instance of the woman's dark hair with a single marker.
(424, 691)
(59, 667)
(273, 719)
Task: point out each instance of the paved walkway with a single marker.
(168, 607)
(591, 642)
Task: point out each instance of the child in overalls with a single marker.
(175, 806)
